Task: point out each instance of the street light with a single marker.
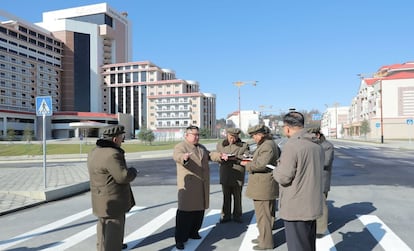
(382, 117)
(240, 84)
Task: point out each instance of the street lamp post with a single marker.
(382, 117)
(240, 84)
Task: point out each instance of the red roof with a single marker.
(397, 75)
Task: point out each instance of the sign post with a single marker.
(44, 108)
(409, 122)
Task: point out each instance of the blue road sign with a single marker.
(44, 106)
(377, 125)
(316, 116)
(410, 121)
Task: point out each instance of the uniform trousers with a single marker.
(110, 233)
(265, 211)
(228, 193)
(322, 222)
(187, 224)
(300, 235)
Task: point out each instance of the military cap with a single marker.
(260, 128)
(314, 130)
(113, 130)
(233, 131)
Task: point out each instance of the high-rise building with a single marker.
(30, 66)
(93, 36)
(156, 99)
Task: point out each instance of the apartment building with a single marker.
(60, 57)
(386, 102)
(30, 66)
(93, 36)
(156, 99)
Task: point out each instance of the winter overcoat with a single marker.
(109, 180)
(261, 185)
(231, 172)
(299, 174)
(193, 176)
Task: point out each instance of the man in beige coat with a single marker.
(261, 187)
(110, 188)
(193, 184)
(299, 174)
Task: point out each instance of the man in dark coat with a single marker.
(232, 174)
(110, 188)
(261, 187)
(328, 148)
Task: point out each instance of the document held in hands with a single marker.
(270, 166)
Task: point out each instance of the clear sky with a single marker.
(304, 54)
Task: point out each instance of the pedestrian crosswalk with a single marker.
(362, 147)
(379, 231)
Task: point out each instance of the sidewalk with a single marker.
(23, 187)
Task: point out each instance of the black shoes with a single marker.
(179, 245)
(124, 246)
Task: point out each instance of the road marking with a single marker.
(383, 234)
(43, 230)
(209, 223)
(326, 242)
(83, 235)
(145, 231)
(251, 233)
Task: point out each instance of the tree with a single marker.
(28, 134)
(10, 134)
(365, 128)
(146, 135)
(204, 133)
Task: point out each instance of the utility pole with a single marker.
(240, 84)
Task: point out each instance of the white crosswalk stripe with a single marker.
(355, 147)
(385, 237)
(383, 234)
(83, 235)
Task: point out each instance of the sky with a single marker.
(304, 54)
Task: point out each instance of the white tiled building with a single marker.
(386, 101)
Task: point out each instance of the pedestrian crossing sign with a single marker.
(44, 106)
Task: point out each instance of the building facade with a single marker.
(156, 99)
(384, 104)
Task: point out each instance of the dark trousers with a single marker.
(110, 233)
(300, 235)
(228, 193)
(187, 224)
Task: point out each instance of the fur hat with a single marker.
(113, 130)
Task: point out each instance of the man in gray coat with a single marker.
(261, 187)
(299, 174)
(193, 184)
(328, 148)
(110, 188)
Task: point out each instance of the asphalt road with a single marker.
(370, 203)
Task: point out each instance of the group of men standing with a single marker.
(299, 176)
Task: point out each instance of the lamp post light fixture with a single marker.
(240, 84)
(382, 117)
